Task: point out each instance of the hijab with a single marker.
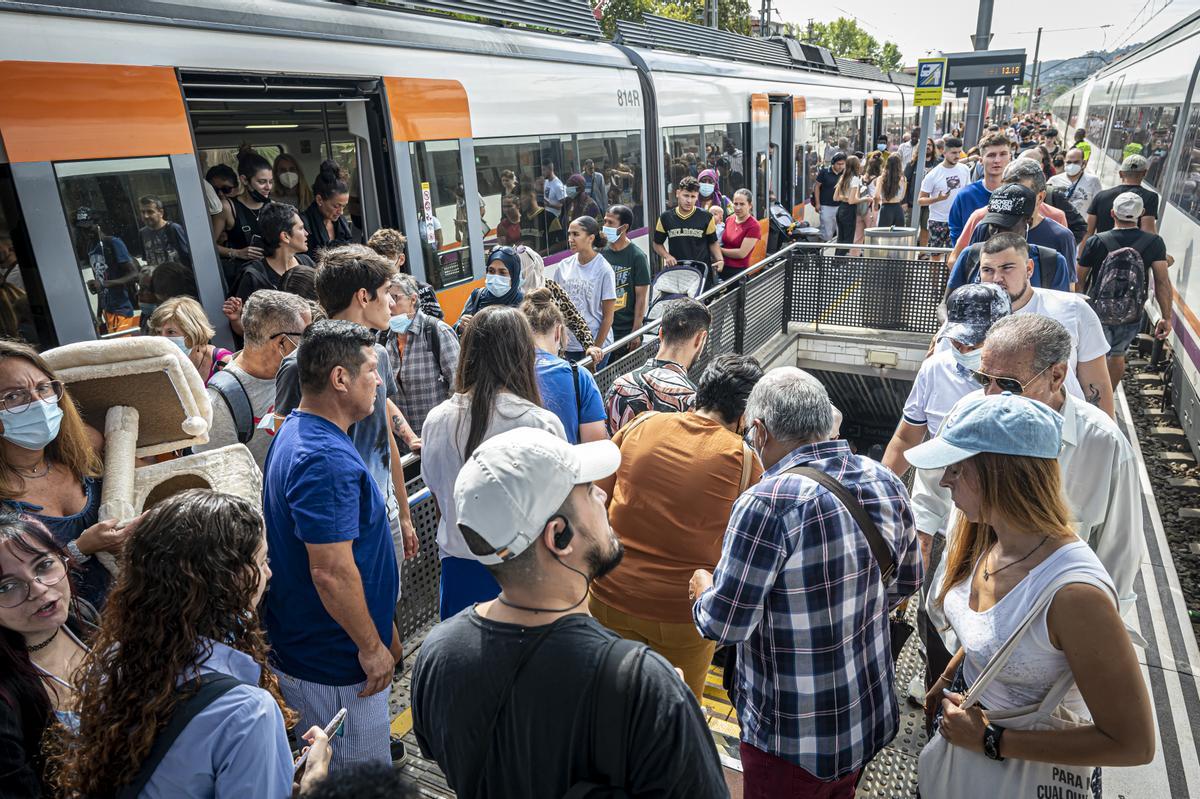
(483, 298)
(717, 197)
(533, 269)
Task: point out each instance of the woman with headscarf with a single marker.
(579, 200)
(710, 193)
(501, 286)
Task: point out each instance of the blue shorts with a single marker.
(1121, 336)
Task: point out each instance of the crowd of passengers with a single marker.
(598, 549)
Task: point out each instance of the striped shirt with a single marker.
(799, 592)
(656, 385)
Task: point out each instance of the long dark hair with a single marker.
(892, 174)
(497, 355)
(188, 578)
(21, 686)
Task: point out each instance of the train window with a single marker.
(1185, 193)
(690, 150)
(512, 183)
(132, 251)
(441, 211)
(23, 310)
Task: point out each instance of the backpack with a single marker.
(1118, 288)
(1046, 255)
(237, 399)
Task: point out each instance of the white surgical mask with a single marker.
(572, 191)
(181, 343)
(610, 233)
(289, 179)
(33, 428)
(968, 360)
(498, 285)
(1073, 169)
(706, 189)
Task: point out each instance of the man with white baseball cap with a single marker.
(528, 695)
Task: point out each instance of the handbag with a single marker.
(945, 771)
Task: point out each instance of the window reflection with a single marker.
(442, 209)
(23, 310)
(689, 150)
(131, 251)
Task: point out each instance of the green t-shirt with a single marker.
(632, 268)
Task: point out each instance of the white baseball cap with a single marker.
(1128, 206)
(514, 482)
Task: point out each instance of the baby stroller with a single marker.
(684, 279)
(784, 230)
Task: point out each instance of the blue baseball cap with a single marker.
(1005, 424)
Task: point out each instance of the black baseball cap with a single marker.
(1010, 204)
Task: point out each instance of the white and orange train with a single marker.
(102, 103)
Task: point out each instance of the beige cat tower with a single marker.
(148, 399)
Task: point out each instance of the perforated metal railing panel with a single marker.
(419, 577)
(763, 317)
(876, 293)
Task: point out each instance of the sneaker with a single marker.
(399, 752)
(916, 691)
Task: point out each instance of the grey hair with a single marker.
(268, 313)
(1026, 170)
(792, 404)
(406, 283)
(1049, 340)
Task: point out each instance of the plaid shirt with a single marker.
(656, 385)
(799, 592)
(423, 383)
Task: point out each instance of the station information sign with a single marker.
(931, 79)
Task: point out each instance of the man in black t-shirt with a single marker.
(1133, 172)
(823, 202)
(685, 232)
(511, 697)
(1125, 211)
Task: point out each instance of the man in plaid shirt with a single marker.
(799, 592)
(423, 351)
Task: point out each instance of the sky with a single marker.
(917, 28)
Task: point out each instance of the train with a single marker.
(1146, 103)
(106, 103)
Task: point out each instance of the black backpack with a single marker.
(1046, 255)
(1118, 288)
(237, 399)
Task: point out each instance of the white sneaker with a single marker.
(916, 690)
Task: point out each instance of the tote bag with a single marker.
(945, 771)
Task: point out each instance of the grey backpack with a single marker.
(1117, 289)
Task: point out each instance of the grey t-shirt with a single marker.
(370, 435)
(223, 431)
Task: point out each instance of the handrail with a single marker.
(752, 271)
(862, 245)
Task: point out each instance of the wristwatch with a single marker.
(991, 741)
(73, 549)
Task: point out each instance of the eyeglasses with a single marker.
(226, 189)
(1009, 384)
(291, 337)
(50, 570)
(18, 399)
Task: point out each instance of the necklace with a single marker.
(32, 474)
(987, 573)
(43, 644)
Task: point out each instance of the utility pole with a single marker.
(711, 13)
(764, 19)
(1033, 86)
(977, 95)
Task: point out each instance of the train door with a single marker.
(879, 132)
(441, 206)
(102, 200)
(771, 136)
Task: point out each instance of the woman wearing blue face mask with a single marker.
(182, 320)
(49, 464)
(501, 286)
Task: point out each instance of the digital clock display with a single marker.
(968, 73)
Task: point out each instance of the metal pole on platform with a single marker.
(1037, 48)
(919, 170)
(977, 95)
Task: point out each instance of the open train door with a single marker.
(772, 133)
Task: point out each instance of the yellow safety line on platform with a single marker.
(402, 723)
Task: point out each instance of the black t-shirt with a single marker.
(542, 743)
(688, 238)
(259, 275)
(1149, 245)
(1102, 205)
(827, 181)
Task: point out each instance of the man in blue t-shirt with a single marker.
(996, 153)
(114, 274)
(334, 586)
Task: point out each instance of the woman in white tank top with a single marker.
(1014, 543)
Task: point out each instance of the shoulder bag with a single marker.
(946, 771)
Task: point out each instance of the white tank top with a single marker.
(1035, 665)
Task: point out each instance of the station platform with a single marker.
(1171, 659)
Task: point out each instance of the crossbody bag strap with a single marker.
(998, 661)
(212, 686)
(879, 548)
(747, 467)
(578, 401)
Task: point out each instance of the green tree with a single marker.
(845, 38)
(732, 15)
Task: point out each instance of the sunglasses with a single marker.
(1009, 384)
(226, 189)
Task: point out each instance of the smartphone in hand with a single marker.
(334, 727)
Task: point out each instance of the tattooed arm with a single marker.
(401, 429)
(1094, 379)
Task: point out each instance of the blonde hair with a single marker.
(1026, 491)
(187, 315)
(542, 311)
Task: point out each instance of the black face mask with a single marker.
(258, 198)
